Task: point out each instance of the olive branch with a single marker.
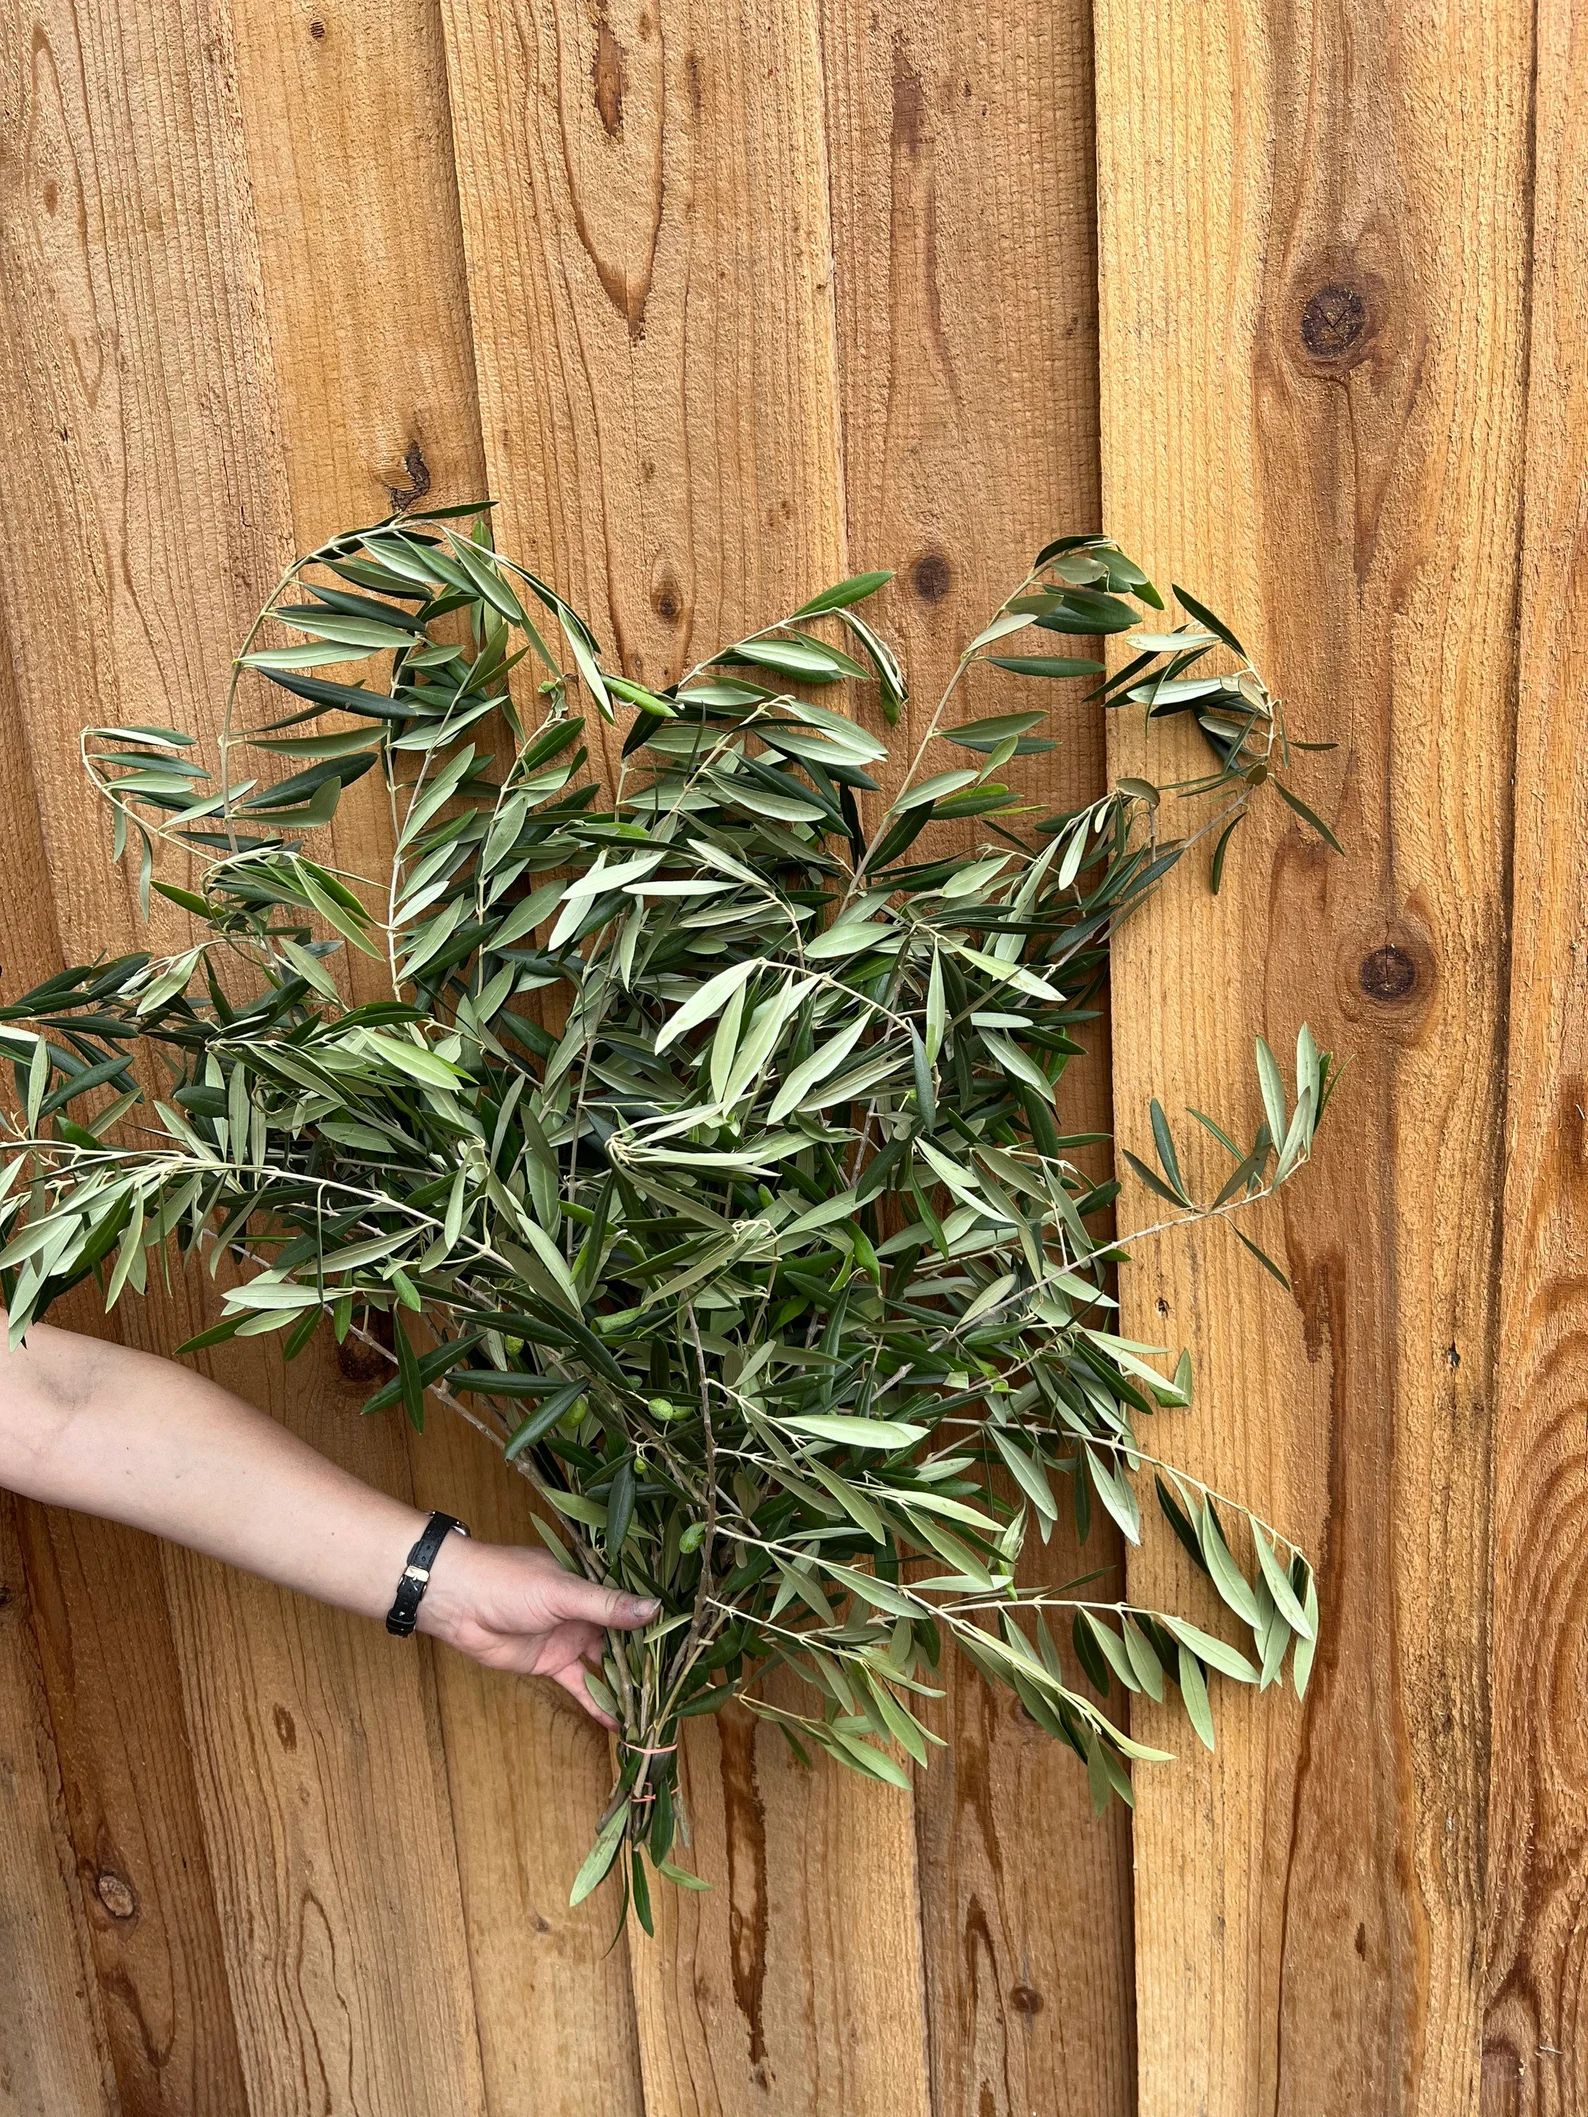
(706, 1151)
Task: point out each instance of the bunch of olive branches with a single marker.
(705, 1146)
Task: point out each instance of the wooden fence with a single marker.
(721, 301)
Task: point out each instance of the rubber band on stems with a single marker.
(635, 1749)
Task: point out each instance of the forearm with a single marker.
(139, 1440)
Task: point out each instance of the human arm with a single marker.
(140, 1440)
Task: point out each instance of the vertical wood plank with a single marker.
(646, 221)
(1535, 2061)
(349, 141)
(127, 1792)
(319, 1764)
(115, 1693)
(645, 212)
(796, 1984)
(961, 177)
(145, 511)
(365, 290)
(53, 2054)
(1312, 237)
(555, 2011)
(102, 1636)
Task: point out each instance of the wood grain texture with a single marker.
(319, 1762)
(645, 211)
(143, 1871)
(349, 141)
(103, 1638)
(73, 468)
(960, 153)
(723, 302)
(53, 2050)
(146, 511)
(1312, 269)
(1535, 2060)
(645, 215)
(528, 1770)
(364, 286)
(796, 1984)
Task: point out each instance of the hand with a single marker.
(512, 1607)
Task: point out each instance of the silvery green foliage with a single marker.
(707, 1146)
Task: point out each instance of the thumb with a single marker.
(609, 1607)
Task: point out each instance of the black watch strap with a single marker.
(403, 1615)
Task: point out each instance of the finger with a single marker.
(519, 1656)
(572, 1681)
(609, 1608)
(573, 1640)
(568, 1642)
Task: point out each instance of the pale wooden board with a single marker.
(1535, 2061)
(127, 1795)
(115, 1694)
(645, 212)
(645, 215)
(960, 149)
(1312, 234)
(364, 286)
(54, 2054)
(53, 2043)
(146, 514)
(102, 1633)
(795, 1985)
(349, 147)
(528, 1772)
(318, 1756)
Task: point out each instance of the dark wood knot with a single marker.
(1334, 321)
(1389, 973)
(931, 576)
(666, 599)
(1026, 1999)
(606, 73)
(359, 1361)
(417, 471)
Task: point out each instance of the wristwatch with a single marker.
(403, 1615)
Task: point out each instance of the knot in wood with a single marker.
(930, 576)
(667, 598)
(368, 1352)
(114, 1891)
(1333, 320)
(1389, 973)
(417, 471)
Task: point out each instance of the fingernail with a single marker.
(643, 1607)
